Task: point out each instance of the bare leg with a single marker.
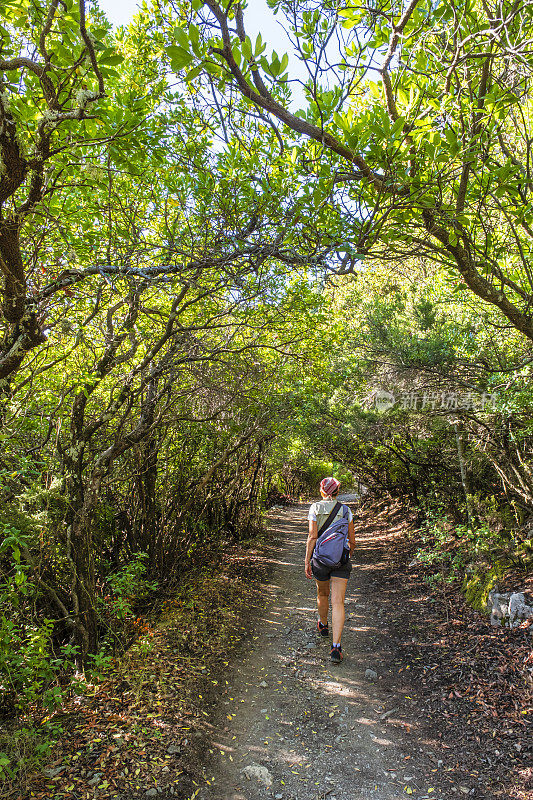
(338, 590)
(322, 600)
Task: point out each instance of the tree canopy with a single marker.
(416, 128)
(221, 282)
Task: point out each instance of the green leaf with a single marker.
(375, 88)
(181, 36)
(194, 34)
(194, 72)
(246, 48)
(179, 57)
(259, 46)
(111, 61)
(397, 126)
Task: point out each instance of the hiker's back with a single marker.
(330, 541)
(323, 509)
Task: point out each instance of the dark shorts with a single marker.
(322, 573)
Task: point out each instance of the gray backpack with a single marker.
(332, 539)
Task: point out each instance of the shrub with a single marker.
(127, 586)
(29, 669)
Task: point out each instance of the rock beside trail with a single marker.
(371, 675)
(51, 773)
(508, 605)
(259, 773)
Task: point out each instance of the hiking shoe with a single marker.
(322, 629)
(336, 655)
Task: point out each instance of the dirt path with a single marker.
(300, 728)
(235, 697)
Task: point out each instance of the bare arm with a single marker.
(351, 536)
(311, 541)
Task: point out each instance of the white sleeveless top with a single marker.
(319, 512)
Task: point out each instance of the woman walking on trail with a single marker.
(330, 515)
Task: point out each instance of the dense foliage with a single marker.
(204, 310)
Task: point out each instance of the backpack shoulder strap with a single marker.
(330, 519)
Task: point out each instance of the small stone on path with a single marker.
(51, 773)
(261, 774)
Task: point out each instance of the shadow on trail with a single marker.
(299, 727)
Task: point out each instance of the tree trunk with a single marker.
(150, 536)
(80, 554)
(464, 476)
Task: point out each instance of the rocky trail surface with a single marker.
(296, 726)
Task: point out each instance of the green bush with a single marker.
(23, 749)
(126, 586)
(29, 669)
(478, 557)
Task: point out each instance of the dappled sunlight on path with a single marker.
(298, 727)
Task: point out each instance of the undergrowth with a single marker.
(475, 556)
(172, 671)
